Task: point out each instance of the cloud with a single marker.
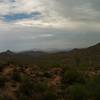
(79, 10)
(65, 13)
(43, 24)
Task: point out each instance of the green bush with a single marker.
(50, 95)
(1, 67)
(2, 98)
(77, 92)
(26, 86)
(16, 76)
(2, 81)
(40, 87)
(97, 87)
(93, 87)
(47, 75)
(28, 89)
(72, 77)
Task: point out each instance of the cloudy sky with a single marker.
(48, 24)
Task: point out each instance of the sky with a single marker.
(49, 24)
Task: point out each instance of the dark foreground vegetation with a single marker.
(73, 75)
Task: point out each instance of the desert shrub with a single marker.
(2, 98)
(77, 92)
(1, 67)
(97, 92)
(26, 88)
(97, 87)
(50, 95)
(24, 78)
(41, 87)
(16, 76)
(22, 97)
(77, 61)
(72, 77)
(93, 87)
(2, 81)
(56, 64)
(45, 91)
(47, 74)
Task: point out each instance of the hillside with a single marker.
(36, 75)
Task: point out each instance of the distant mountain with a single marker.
(77, 57)
(7, 53)
(94, 48)
(87, 56)
(32, 53)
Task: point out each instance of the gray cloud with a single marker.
(55, 39)
(63, 24)
(82, 10)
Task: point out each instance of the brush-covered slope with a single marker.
(73, 75)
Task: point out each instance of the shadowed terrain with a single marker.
(38, 75)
